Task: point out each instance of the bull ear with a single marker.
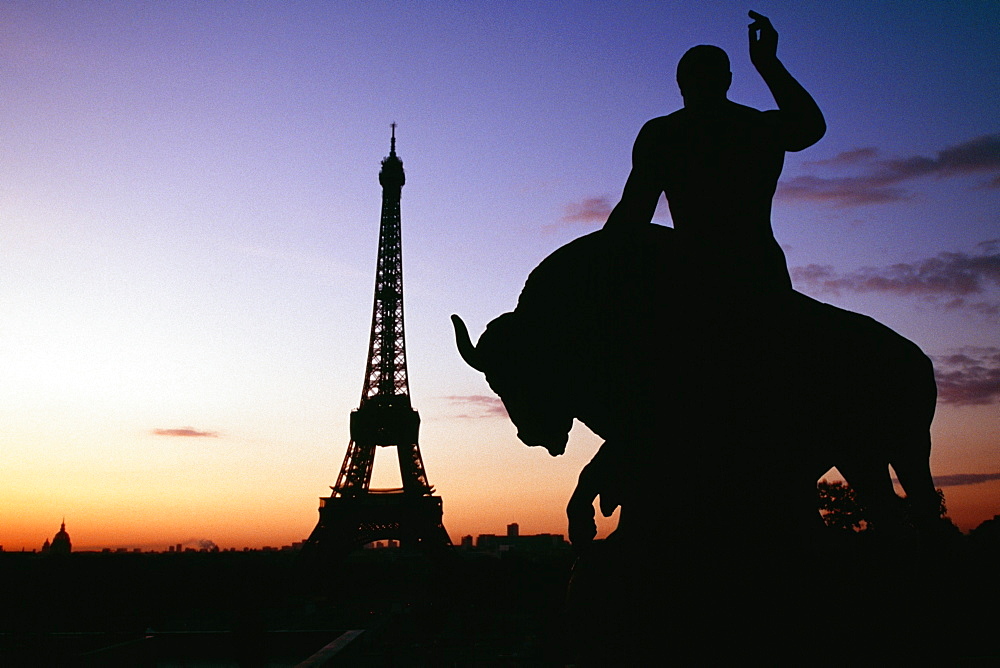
(465, 347)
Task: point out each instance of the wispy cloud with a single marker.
(478, 405)
(881, 180)
(969, 376)
(594, 211)
(989, 246)
(190, 432)
(852, 157)
(959, 479)
(951, 280)
(839, 191)
(588, 210)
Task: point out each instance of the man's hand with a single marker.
(763, 40)
(802, 123)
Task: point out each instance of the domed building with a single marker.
(61, 544)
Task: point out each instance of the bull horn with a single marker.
(465, 347)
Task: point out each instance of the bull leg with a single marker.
(912, 467)
(600, 477)
(580, 510)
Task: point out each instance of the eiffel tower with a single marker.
(354, 514)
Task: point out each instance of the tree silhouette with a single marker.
(839, 506)
(986, 536)
(841, 509)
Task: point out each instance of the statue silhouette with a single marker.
(721, 393)
(718, 163)
(713, 461)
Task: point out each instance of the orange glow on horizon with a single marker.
(969, 505)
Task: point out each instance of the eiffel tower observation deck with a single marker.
(354, 514)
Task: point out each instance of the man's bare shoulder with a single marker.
(661, 125)
(664, 121)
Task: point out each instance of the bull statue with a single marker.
(715, 404)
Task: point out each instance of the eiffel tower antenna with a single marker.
(355, 514)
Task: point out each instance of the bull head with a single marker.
(503, 356)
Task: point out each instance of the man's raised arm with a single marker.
(802, 121)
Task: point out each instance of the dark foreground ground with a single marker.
(471, 609)
(266, 609)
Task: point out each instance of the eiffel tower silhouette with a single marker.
(354, 514)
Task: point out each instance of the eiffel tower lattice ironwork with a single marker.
(355, 514)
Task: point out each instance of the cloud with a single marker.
(959, 479)
(969, 376)
(989, 246)
(852, 157)
(595, 210)
(948, 279)
(186, 431)
(588, 210)
(978, 155)
(844, 191)
(880, 183)
(481, 405)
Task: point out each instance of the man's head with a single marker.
(703, 74)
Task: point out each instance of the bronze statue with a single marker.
(722, 394)
(718, 163)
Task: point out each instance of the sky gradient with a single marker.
(189, 209)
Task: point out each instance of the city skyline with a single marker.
(205, 545)
(189, 203)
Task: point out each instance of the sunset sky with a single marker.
(189, 210)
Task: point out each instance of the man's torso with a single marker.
(718, 168)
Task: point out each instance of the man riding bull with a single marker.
(718, 163)
(721, 392)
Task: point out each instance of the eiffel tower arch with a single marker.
(354, 514)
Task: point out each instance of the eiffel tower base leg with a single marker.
(347, 523)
